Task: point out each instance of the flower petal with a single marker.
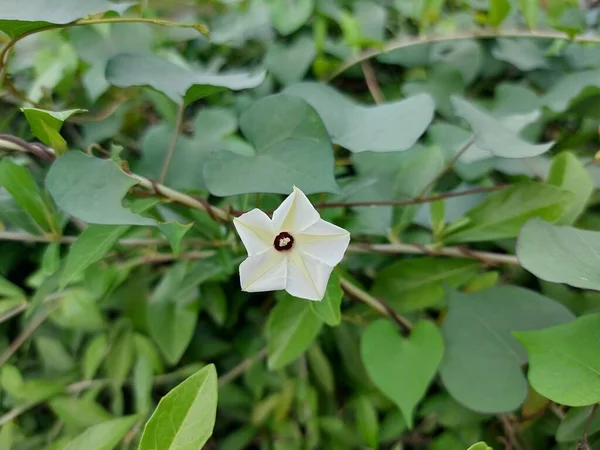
(266, 271)
(324, 241)
(256, 231)
(295, 214)
(307, 277)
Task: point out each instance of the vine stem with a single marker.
(479, 34)
(372, 83)
(173, 143)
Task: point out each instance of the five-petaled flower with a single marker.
(295, 251)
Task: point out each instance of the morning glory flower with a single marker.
(296, 250)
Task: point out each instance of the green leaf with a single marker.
(560, 254)
(387, 355)
(572, 427)
(524, 54)
(46, 125)
(564, 364)
(180, 84)
(79, 413)
(568, 173)
(418, 283)
(291, 148)
(366, 420)
(571, 88)
(328, 309)
(185, 417)
(95, 353)
(173, 313)
(480, 446)
(530, 10)
(289, 63)
(119, 360)
(17, 20)
(92, 189)
(497, 12)
(290, 16)
(104, 436)
(368, 128)
(20, 184)
(78, 310)
(321, 368)
(494, 136)
(90, 247)
(292, 327)
(214, 301)
(503, 213)
(482, 363)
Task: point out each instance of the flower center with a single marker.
(283, 241)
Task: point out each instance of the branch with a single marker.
(242, 367)
(173, 144)
(479, 34)
(377, 304)
(372, 83)
(584, 444)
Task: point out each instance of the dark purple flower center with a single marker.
(283, 241)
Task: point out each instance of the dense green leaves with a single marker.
(368, 128)
(402, 368)
(564, 364)
(291, 329)
(482, 362)
(291, 147)
(560, 254)
(185, 417)
(180, 84)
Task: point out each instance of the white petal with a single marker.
(307, 277)
(266, 271)
(295, 214)
(256, 231)
(324, 241)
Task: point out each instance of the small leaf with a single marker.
(564, 362)
(104, 436)
(567, 172)
(180, 84)
(530, 10)
(79, 413)
(46, 125)
(482, 363)
(498, 11)
(92, 189)
(366, 420)
(321, 368)
(503, 213)
(185, 417)
(524, 54)
(20, 184)
(387, 355)
(328, 309)
(289, 63)
(368, 128)
(291, 148)
(495, 137)
(290, 16)
(480, 446)
(291, 329)
(560, 254)
(95, 353)
(571, 88)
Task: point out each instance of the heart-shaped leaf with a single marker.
(402, 368)
(394, 126)
(180, 84)
(292, 148)
(571, 88)
(290, 15)
(289, 63)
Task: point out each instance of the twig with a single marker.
(372, 82)
(414, 201)
(242, 367)
(415, 249)
(447, 167)
(584, 444)
(13, 312)
(511, 438)
(479, 34)
(377, 304)
(173, 143)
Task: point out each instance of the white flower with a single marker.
(295, 251)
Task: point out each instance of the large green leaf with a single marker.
(185, 417)
(291, 329)
(17, 180)
(291, 148)
(180, 84)
(173, 313)
(92, 189)
(368, 128)
(503, 213)
(493, 135)
(45, 125)
(402, 368)
(564, 362)
(569, 173)
(571, 88)
(104, 436)
(482, 363)
(17, 19)
(418, 283)
(560, 254)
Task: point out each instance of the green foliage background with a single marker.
(455, 140)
